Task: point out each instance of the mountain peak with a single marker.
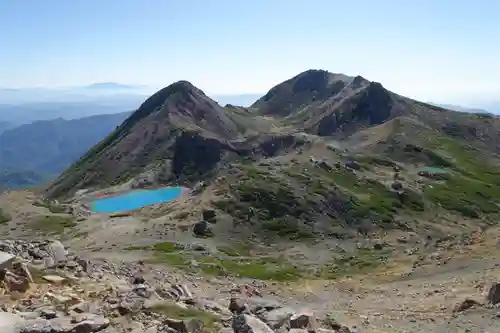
(302, 89)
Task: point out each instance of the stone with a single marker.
(353, 165)
(139, 280)
(238, 306)
(466, 304)
(202, 229)
(57, 251)
(16, 283)
(209, 215)
(213, 306)
(244, 323)
(6, 260)
(48, 314)
(305, 320)
(493, 296)
(85, 307)
(277, 318)
(325, 166)
(48, 262)
(85, 264)
(54, 279)
(9, 322)
(258, 304)
(21, 269)
(195, 326)
(87, 323)
(176, 324)
(297, 330)
(185, 294)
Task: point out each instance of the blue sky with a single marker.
(446, 50)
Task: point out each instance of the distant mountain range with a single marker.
(23, 106)
(461, 108)
(41, 150)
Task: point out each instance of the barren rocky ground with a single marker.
(111, 274)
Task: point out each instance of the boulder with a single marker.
(277, 318)
(493, 296)
(15, 282)
(57, 252)
(85, 265)
(9, 322)
(84, 323)
(6, 260)
(244, 323)
(353, 165)
(257, 304)
(238, 306)
(21, 269)
(54, 279)
(185, 326)
(304, 320)
(209, 215)
(202, 229)
(466, 304)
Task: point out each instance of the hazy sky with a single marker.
(443, 50)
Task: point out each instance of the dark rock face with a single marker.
(372, 107)
(195, 156)
(276, 144)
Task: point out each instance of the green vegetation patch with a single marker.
(177, 312)
(261, 269)
(51, 224)
(52, 206)
(267, 200)
(172, 254)
(472, 188)
(470, 197)
(4, 216)
(361, 262)
(372, 199)
(238, 250)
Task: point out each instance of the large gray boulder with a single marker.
(244, 323)
(304, 320)
(278, 317)
(6, 260)
(83, 323)
(57, 251)
(9, 322)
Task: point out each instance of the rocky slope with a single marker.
(70, 273)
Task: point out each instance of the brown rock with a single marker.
(304, 320)
(466, 304)
(493, 296)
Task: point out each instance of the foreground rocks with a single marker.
(50, 289)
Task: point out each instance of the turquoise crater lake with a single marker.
(135, 199)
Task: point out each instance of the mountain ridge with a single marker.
(181, 136)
